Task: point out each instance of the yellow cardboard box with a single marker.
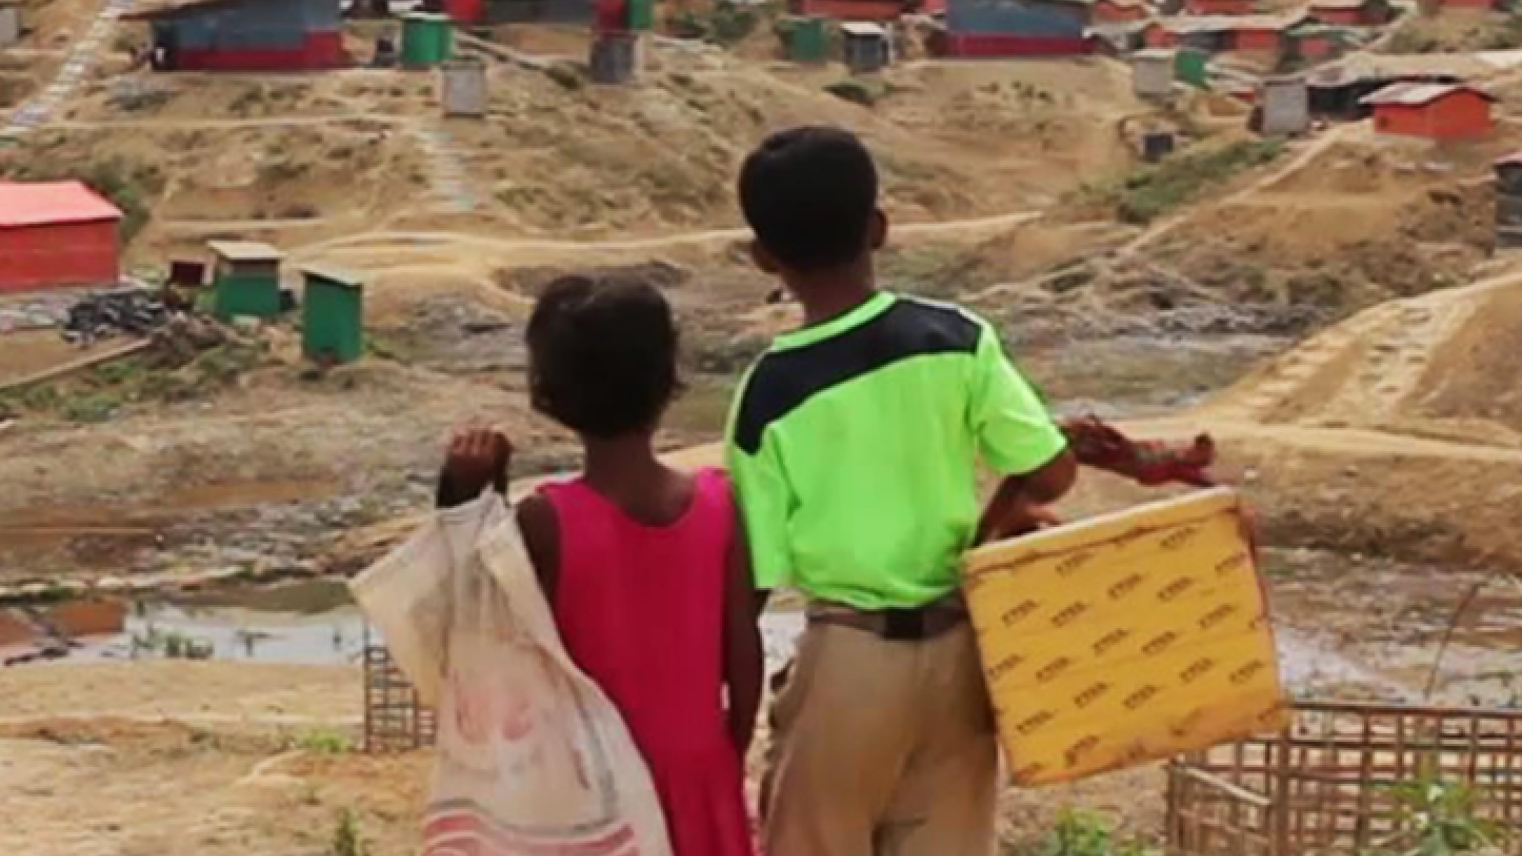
(1125, 638)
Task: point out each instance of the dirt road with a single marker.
(386, 241)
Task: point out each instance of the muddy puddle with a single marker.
(1346, 627)
(1406, 628)
(305, 623)
(310, 623)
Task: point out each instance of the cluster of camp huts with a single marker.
(993, 28)
(305, 35)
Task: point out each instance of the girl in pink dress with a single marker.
(644, 566)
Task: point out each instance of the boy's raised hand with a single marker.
(476, 458)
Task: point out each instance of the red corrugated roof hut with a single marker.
(1438, 111)
(55, 234)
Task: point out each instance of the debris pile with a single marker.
(106, 314)
(183, 337)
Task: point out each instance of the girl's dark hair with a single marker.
(602, 355)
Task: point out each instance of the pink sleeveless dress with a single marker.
(641, 611)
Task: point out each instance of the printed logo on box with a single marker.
(1070, 613)
(1053, 669)
(1141, 697)
(1217, 615)
(1020, 612)
(1247, 672)
(1074, 563)
(1157, 644)
(1091, 695)
(1111, 639)
(1075, 753)
(1033, 723)
(1177, 540)
(1125, 586)
(1231, 564)
(1174, 589)
(1005, 666)
(1196, 670)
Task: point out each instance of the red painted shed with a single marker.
(243, 35)
(56, 234)
(1158, 36)
(1437, 111)
(1258, 40)
(1117, 11)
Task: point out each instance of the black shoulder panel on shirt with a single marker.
(784, 380)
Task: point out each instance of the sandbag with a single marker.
(533, 760)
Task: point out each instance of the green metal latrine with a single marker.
(333, 316)
(427, 40)
(1191, 66)
(247, 280)
(641, 15)
(809, 40)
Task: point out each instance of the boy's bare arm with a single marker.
(1019, 504)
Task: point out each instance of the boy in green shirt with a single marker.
(853, 446)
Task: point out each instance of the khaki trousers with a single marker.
(882, 749)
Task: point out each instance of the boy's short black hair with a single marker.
(809, 195)
(602, 355)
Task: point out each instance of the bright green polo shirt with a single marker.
(854, 444)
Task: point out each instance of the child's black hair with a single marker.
(602, 355)
(809, 195)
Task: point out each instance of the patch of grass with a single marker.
(226, 363)
(1153, 191)
(858, 91)
(1412, 38)
(100, 393)
(1442, 818)
(1504, 36)
(246, 102)
(171, 644)
(130, 189)
(1084, 833)
(323, 741)
(90, 409)
(1316, 289)
(281, 171)
(566, 76)
(725, 24)
(133, 99)
(348, 838)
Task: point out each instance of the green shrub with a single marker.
(1154, 191)
(857, 91)
(1442, 818)
(1083, 833)
(89, 409)
(348, 840)
(726, 24)
(129, 189)
(324, 741)
(565, 76)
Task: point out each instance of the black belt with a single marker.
(894, 625)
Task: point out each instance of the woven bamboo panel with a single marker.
(395, 720)
(1327, 783)
(1125, 638)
